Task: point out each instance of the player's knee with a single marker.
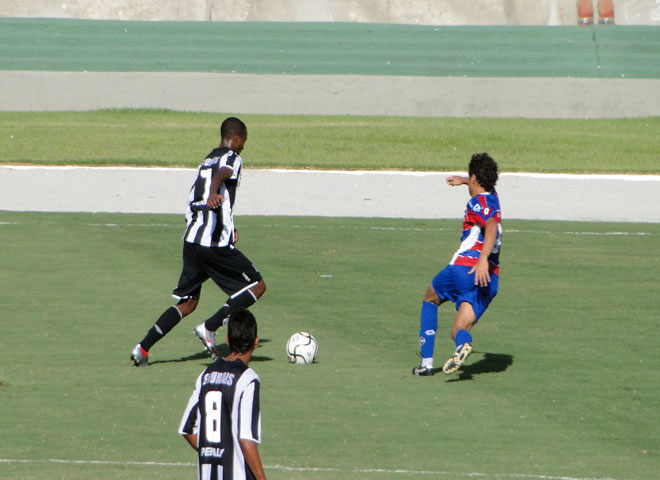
(259, 289)
(187, 306)
(431, 296)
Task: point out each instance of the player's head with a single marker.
(233, 134)
(231, 127)
(484, 168)
(241, 331)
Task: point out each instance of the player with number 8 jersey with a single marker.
(222, 419)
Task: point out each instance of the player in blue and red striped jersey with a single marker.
(471, 279)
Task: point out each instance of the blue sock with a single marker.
(463, 336)
(428, 327)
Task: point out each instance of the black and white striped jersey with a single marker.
(223, 408)
(213, 227)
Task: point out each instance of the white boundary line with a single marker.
(313, 469)
(347, 227)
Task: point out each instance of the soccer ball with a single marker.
(302, 348)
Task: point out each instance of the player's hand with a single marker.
(215, 200)
(235, 235)
(456, 180)
(481, 274)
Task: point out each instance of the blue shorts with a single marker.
(456, 285)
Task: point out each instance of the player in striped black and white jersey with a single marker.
(208, 246)
(222, 420)
(471, 279)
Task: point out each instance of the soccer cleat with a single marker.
(208, 339)
(456, 360)
(139, 356)
(423, 371)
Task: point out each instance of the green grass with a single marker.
(167, 138)
(564, 381)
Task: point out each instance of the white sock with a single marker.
(427, 362)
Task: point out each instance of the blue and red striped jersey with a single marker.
(478, 211)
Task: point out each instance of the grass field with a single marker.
(564, 382)
(167, 138)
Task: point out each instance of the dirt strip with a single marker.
(333, 193)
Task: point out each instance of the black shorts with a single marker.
(227, 266)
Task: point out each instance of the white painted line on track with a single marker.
(317, 469)
(405, 173)
(358, 227)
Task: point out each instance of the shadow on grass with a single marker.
(223, 350)
(491, 363)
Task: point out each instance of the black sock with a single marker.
(163, 325)
(240, 300)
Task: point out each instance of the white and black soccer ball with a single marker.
(302, 348)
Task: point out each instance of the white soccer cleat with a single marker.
(456, 360)
(426, 371)
(207, 338)
(139, 356)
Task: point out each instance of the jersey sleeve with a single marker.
(230, 160)
(479, 211)
(190, 420)
(249, 427)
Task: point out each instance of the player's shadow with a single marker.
(223, 350)
(490, 363)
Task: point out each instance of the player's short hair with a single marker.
(241, 331)
(233, 126)
(485, 169)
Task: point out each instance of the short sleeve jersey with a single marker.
(213, 227)
(223, 409)
(478, 211)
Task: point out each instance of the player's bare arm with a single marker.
(251, 454)
(482, 276)
(457, 180)
(215, 199)
(192, 439)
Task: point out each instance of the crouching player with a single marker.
(470, 280)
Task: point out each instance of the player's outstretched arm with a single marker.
(251, 454)
(457, 180)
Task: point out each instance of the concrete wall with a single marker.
(332, 94)
(422, 12)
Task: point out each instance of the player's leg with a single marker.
(428, 326)
(460, 333)
(440, 291)
(187, 291)
(235, 274)
(471, 303)
(166, 322)
(242, 299)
